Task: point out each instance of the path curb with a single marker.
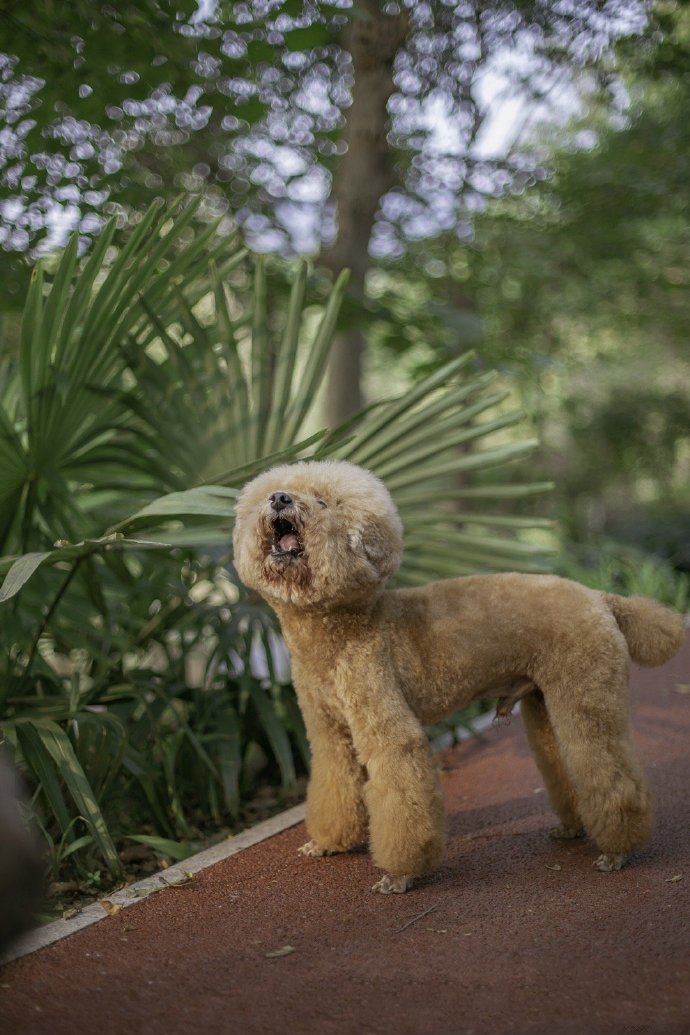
(180, 872)
(133, 893)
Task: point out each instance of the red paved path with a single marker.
(521, 935)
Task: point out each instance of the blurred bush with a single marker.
(609, 565)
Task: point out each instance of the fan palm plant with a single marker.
(151, 382)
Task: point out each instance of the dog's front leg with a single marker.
(402, 793)
(336, 816)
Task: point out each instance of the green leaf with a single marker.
(203, 501)
(239, 475)
(275, 731)
(163, 845)
(286, 358)
(393, 409)
(44, 771)
(75, 846)
(303, 398)
(228, 751)
(56, 744)
(20, 572)
(297, 727)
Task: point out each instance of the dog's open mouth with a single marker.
(286, 540)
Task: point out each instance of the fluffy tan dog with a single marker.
(318, 540)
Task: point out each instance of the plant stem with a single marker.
(49, 614)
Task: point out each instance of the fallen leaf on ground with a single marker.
(672, 880)
(681, 688)
(142, 892)
(285, 950)
(178, 882)
(111, 908)
(552, 866)
(69, 913)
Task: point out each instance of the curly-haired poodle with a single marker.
(318, 540)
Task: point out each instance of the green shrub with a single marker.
(143, 691)
(618, 568)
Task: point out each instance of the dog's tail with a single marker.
(654, 633)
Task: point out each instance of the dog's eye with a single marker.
(322, 503)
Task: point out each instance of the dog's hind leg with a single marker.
(336, 815)
(542, 741)
(587, 705)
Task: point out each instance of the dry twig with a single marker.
(417, 917)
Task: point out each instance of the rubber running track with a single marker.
(514, 933)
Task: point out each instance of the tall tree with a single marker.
(579, 288)
(358, 127)
(364, 175)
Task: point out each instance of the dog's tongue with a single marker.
(289, 542)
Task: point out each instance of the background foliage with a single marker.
(577, 289)
(527, 251)
(246, 102)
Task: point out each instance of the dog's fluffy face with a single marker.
(317, 534)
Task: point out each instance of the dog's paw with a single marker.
(564, 833)
(608, 862)
(314, 850)
(390, 885)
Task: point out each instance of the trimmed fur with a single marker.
(372, 666)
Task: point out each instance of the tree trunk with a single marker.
(363, 176)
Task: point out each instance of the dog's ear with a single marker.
(379, 545)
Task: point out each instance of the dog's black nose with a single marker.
(280, 500)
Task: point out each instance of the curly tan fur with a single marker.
(318, 540)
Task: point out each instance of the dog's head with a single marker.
(317, 534)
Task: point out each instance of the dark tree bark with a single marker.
(363, 176)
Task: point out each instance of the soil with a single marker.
(514, 934)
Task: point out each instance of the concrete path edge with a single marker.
(181, 872)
